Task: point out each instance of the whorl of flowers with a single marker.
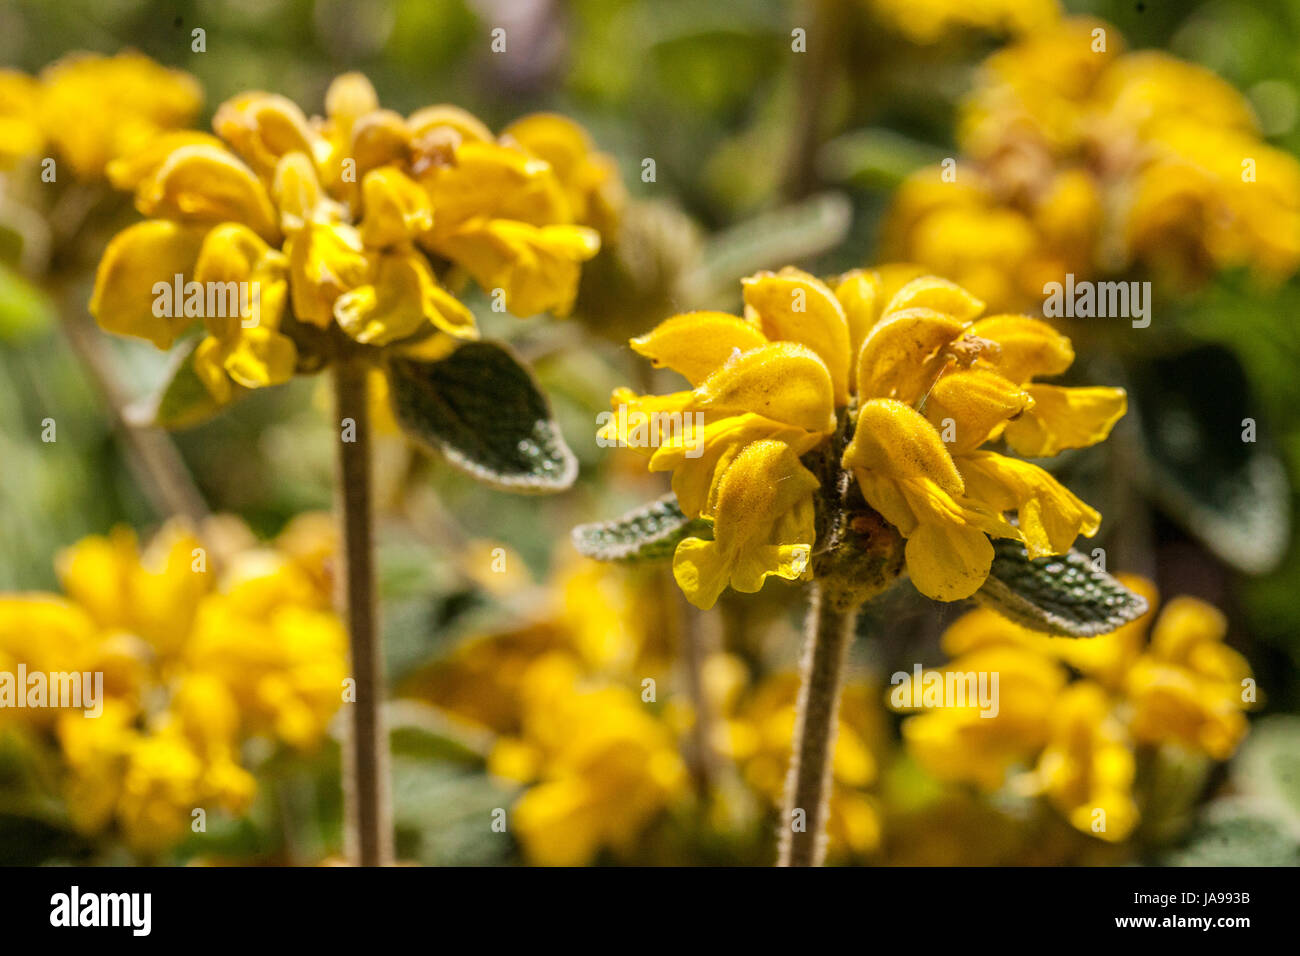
(352, 222)
(1079, 157)
(900, 370)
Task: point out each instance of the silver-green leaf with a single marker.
(482, 409)
(648, 533)
(1062, 595)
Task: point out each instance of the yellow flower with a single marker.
(601, 767)
(924, 383)
(1081, 737)
(280, 226)
(757, 735)
(982, 745)
(200, 649)
(1088, 767)
(1088, 160)
(88, 110)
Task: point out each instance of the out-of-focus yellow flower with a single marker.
(332, 222)
(89, 110)
(1078, 739)
(929, 21)
(601, 766)
(608, 619)
(1088, 766)
(925, 384)
(758, 732)
(1088, 160)
(199, 652)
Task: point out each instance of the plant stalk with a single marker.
(367, 799)
(808, 785)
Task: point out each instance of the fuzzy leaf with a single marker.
(1062, 595)
(483, 410)
(1229, 492)
(647, 533)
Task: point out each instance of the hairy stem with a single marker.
(369, 830)
(808, 785)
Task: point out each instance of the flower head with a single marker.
(345, 229)
(201, 648)
(1073, 713)
(1085, 159)
(89, 110)
(899, 363)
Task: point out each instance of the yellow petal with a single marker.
(261, 357)
(975, 402)
(124, 300)
(324, 262)
(126, 172)
(262, 127)
(299, 195)
(536, 268)
(895, 441)
(700, 457)
(1065, 418)
(948, 562)
(793, 306)
(1051, 517)
(860, 295)
(233, 253)
(940, 295)
(900, 356)
(763, 526)
(1029, 347)
(349, 97)
(379, 138)
(210, 367)
(207, 184)
(396, 209)
(782, 381)
(697, 344)
(494, 182)
(402, 299)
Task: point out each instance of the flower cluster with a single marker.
(351, 222)
(200, 650)
(89, 110)
(758, 733)
(560, 692)
(1080, 158)
(898, 361)
(1073, 714)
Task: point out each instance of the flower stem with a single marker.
(808, 785)
(369, 829)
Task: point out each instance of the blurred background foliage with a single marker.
(761, 158)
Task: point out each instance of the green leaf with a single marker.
(181, 403)
(647, 533)
(483, 410)
(1061, 595)
(1230, 493)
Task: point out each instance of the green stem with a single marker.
(808, 785)
(367, 800)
